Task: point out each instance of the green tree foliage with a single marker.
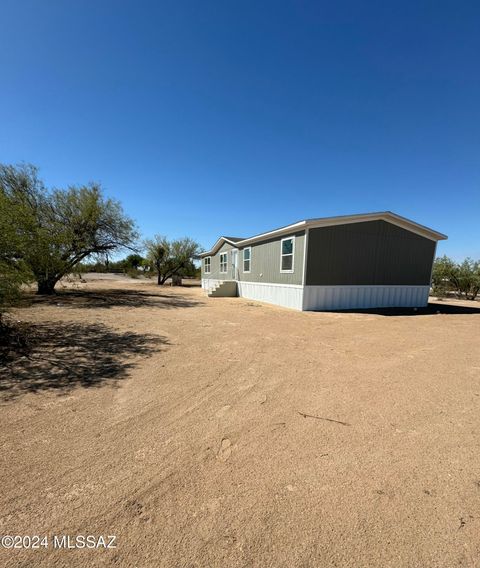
(171, 258)
(60, 228)
(133, 262)
(13, 270)
(462, 278)
(443, 268)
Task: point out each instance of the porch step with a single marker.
(224, 289)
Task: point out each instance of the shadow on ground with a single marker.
(114, 298)
(60, 357)
(431, 309)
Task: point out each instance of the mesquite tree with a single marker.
(171, 258)
(60, 228)
(13, 270)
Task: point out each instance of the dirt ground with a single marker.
(227, 433)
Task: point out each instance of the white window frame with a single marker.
(225, 254)
(209, 271)
(290, 271)
(249, 260)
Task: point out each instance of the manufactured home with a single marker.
(370, 260)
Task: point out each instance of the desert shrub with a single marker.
(461, 278)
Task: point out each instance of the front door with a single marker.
(234, 263)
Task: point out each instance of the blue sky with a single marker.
(209, 118)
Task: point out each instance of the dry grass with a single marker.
(223, 432)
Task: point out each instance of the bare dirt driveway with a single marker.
(196, 431)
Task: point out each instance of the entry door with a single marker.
(234, 263)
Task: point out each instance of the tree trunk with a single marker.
(46, 287)
(159, 279)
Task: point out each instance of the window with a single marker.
(247, 259)
(223, 262)
(207, 263)
(287, 247)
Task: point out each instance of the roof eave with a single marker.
(217, 245)
(388, 216)
(300, 225)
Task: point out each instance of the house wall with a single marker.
(374, 264)
(215, 274)
(352, 266)
(265, 282)
(324, 298)
(265, 262)
(371, 253)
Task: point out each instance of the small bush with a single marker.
(461, 278)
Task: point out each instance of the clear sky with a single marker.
(207, 118)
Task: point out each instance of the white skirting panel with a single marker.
(208, 283)
(286, 295)
(360, 297)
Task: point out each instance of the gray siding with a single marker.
(265, 262)
(215, 264)
(369, 253)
